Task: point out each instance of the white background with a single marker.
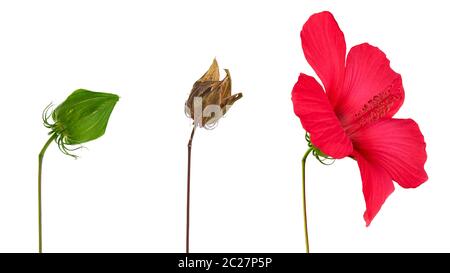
(127, 191)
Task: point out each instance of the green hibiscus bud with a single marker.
(82, 117)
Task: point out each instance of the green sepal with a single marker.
(317, 153)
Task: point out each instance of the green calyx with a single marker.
(82, 117)
(317, 153)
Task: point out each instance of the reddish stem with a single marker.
(188, 188)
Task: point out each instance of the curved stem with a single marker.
(189, 188)
(305, 218)
(41, 157)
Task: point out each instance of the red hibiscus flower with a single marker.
(353, 116)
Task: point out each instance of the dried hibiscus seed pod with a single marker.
(210, 97)
(208, 101)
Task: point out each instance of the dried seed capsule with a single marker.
(210, 97)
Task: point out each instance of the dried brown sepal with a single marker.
(212, 74)
(210, 97)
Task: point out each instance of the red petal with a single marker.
(377, 186)
(311, 105)
(398, 146)
(371, 90)
(324, 48)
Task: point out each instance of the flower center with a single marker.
(376, 108)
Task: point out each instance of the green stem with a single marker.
(41, 156)
(305, 218)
